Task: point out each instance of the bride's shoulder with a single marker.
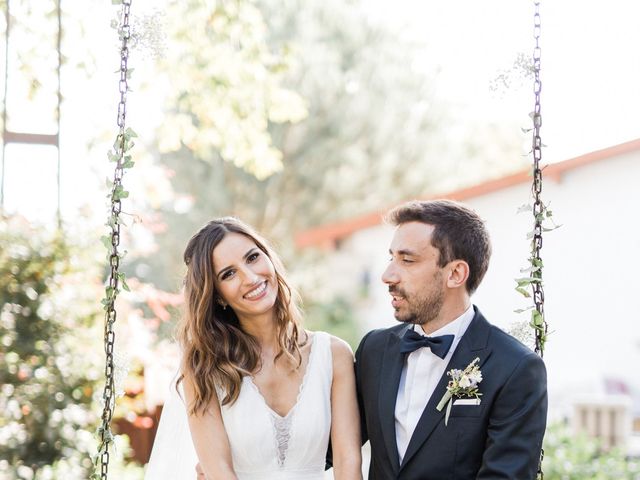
(340, 350)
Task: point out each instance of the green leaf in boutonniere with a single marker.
(463, 384)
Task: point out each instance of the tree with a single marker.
(373, 135)
(51, 360)
(228, 86)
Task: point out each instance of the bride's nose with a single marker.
(250, 277)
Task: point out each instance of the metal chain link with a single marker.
(538, 206)
(109, 393)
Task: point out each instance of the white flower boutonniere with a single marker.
(463, 384)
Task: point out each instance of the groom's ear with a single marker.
(458, 273)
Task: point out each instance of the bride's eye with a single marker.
(227, 274)
(253, 257)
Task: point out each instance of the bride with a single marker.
(262, 396)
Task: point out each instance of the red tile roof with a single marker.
(326, 235)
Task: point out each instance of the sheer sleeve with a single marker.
(173, 455)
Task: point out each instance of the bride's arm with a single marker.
(210, 438)
(345, 419)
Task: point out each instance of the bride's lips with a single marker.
(257, 293)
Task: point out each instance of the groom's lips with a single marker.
(396, 300)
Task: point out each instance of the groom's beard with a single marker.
(423, 307)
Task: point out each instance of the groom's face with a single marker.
(416, 282)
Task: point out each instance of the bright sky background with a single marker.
(590, 63)
(590, 75)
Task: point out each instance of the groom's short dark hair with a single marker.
(459, 233)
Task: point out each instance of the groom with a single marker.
(438, 257)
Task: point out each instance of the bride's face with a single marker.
(245, 276)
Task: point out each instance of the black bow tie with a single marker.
(412, 341)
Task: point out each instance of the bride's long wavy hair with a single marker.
(216, 351)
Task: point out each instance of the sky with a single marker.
(590, 78)
(590, 66)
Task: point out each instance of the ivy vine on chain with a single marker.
(120, 155)
(533, 270)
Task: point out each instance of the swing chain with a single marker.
(538, 206)
(109, 393)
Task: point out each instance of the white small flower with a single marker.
(475, 376)
(464, 382)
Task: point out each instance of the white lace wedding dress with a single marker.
(264, 445)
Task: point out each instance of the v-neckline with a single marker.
(300, 388)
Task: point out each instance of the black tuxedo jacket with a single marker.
(498, 439)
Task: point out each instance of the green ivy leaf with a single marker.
(119, 193)
(112, 222)
(536, 318)
(123, 280)
(106, 241)
(522, 310)
(531, 269)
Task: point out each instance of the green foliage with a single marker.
(336, 317)
(44, 398)
(577, 457)
(226, 85)
(51, 354)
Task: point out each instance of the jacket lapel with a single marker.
(392, 364)
(472, 344)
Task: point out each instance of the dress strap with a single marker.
(323, 359)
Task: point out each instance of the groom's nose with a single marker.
(390, 276)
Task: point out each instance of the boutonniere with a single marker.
(463, 384)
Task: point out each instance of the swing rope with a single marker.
(121, 146)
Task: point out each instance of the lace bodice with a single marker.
(267, 446)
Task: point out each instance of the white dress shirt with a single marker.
(420, 376)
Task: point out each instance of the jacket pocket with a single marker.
(466, 410)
